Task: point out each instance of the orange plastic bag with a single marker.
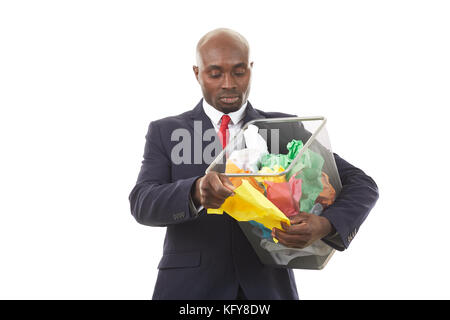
(236, 181)
(328, 194)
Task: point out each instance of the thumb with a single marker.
(299, 218)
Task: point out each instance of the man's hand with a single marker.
(211, 190)
(305, 228)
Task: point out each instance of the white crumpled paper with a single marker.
(253, 140)
(249, 158)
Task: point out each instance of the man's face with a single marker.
(224, 75)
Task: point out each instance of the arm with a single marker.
(156, 200)
(357, 197)
(338, 224)
(352, 206)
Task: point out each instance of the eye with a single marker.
(239, 72)
(215, 74)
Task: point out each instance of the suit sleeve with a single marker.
(358, 196)
(156, 200)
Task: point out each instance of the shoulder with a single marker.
(167, 125)
(162, 129)
(267, 114)
(171, 121)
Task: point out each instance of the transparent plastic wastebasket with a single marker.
(277, 133)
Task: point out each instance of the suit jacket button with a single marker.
(178, 216)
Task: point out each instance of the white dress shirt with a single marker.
(236, 123)
(234, 126)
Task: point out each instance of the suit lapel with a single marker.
(198, 114)
(199, 123)
(251, 114)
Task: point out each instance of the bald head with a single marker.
(219, 39)
(223, 69)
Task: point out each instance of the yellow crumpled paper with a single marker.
(276, 169)
(248, 203)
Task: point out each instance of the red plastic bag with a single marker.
(285, 195)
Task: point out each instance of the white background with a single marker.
(81, 80)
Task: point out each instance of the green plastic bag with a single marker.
(272, 160)
(293, 148)
(308, 168)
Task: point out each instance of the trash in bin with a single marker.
(248, 203)
(271, 187)
(285, 195)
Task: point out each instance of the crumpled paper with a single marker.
(311, 187)
(248, 204)
(261, 231)
(309, 159)
(309, 169)
(253, 140)
(284, 160)
(236, 181)
(294, 148)
(248, 159)
(285, 195)
(328, 194)
(275, 169)
(272, 160)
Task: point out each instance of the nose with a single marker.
(228, 82)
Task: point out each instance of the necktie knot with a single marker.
(223, 131)
(225, 121)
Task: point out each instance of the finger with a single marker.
(213, 204)
(289, 238)
(304, 214)
(291, 244)
(226, 182)
(226, 188)
(212, 201)
(297, 229)
(297, 219)
(219, 189)
(285, 226)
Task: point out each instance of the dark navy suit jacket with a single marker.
(208, 256)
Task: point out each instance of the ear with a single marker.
(195, 68)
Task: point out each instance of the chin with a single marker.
(229, 107)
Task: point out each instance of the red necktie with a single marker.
(223, 131)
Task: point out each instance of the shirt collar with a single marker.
(215, 115)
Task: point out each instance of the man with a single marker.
(208, 256)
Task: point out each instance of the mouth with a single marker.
(229, 100)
